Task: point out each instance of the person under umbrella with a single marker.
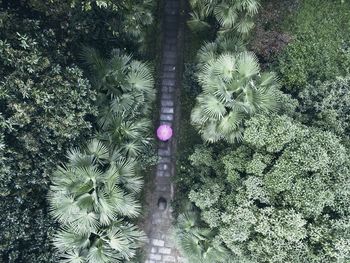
(164, 132)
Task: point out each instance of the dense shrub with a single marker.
(45, 108)
(320, 46)
(282, 196)
(327, 105)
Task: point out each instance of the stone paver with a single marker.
(160, 246)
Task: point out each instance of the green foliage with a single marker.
(125, 96)
(197, 243)
(127, 19)
(327, 105)
(91, 196)
(45, 108)
(320, 46)
(233, 90)
(232, 16)
(282, 196)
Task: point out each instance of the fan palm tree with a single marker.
(126, 92)
(232, 15)
(233, 90)
(92, 197)
(198, 244)
(211, 50)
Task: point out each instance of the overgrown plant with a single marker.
(233, 90)
(231, 15)
(92, 197)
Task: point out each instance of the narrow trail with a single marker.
(160, 248)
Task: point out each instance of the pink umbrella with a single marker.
(164, 132)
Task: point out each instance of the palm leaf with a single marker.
(245, 25)
(224, 66)
(85, 223)
(247, 65)
(72, 256)
(211, 106)
(98, 255)
(210, 133)
(231, 122)
(78, 159)
(140, 77)
(98, 149)
(196, 23)
(226, 15)
(128, 178)
(66, 240)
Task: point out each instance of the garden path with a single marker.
(160, 248)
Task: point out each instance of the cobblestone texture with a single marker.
(158, 226)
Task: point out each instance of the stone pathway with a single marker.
(160, 248)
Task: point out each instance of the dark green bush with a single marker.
(45, 109)
(320, 46)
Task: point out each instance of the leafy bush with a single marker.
(327, 104)
(282, 196)
(320, 46)
(45, 109)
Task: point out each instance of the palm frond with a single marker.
(85, 223)
(78, 159)
(245, 25)
(65, 240)
(99, 150)
(224, 66)
(231, 122)
(198, 118)
(72, 256)
(63, 207)
(99, 254)
(247, 65)
(93, 61)
(128, 178)
(128, 206)
(226, 15)
(140, 77)
(210, 133)
(211, 106)
(196, 23)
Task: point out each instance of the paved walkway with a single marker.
(160, 247)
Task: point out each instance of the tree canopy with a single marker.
(280, 196)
